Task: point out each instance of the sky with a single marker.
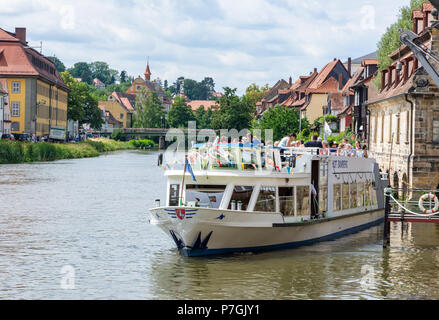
(237, 43)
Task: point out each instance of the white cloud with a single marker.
(236, 42)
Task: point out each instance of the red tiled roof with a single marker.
(323, 75)
(126, 100)
(417, 14)
(98, 82)
(196, 104)
(18, 60)
(299, 103)
(6, 36)
(427, 6)
(330, 85)
(368, 62)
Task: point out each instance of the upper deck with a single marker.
(254, 160)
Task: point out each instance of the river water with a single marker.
(78, 229)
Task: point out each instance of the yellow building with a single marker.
(37, 96)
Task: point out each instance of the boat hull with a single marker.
(203, 232)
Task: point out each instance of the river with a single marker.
(78, 229)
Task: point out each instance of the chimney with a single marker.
(291, 81)
(20, 34)
(340, 82)
(315, 70)
(350, 67)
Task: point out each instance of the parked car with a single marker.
(22, 137)
(7, 137)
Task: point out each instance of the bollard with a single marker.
(386, 236)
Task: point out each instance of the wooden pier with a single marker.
(405, 206)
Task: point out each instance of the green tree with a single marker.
(233, 112)
(282, 120)
(203, 117)
(149, 111)
(82, 104)
(389, 42)
(180, 114)
(58, 64)
(123, 76)
(82, 70)
(255, 93)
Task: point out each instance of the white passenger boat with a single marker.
(241, 198)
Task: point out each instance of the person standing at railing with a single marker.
(314, 143)
(325, 151)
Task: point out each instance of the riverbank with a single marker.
(22, 152)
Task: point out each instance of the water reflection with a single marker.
(91, 214)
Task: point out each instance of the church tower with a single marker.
(147, 72)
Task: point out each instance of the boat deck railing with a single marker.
(250, 158)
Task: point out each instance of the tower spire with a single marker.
(148, 71)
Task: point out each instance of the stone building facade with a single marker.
(404, 119)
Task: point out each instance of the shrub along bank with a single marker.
(21, 152)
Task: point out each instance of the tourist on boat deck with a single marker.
(286, 142)
(314, 143)
(341, 151)
(350, 152)
(325, 151)
(363, 153)
(277, 143)
(358, 146)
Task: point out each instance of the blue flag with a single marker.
(189, 169)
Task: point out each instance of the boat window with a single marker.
(337, 197)
(303, 201)
(360, 195)
(367, 194)
(286, 199)
(345, 196)
(241, 198)
(323, 187)
(353, 189)
(266, 200)
(323, 199)
(373, 196)
(174, 195)
(205, 196)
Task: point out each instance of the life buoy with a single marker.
(429, 196)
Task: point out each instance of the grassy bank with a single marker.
(21, 152)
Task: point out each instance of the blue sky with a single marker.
(235, 42)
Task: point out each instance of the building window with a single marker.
(375, 134)
(436, 126)
(15, 109)
(121, 115)
(382, 128)
(398, 128)
(16, 87)
(391, 128)
(407, 134)
(266, 200)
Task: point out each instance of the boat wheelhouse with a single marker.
(239, 198)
